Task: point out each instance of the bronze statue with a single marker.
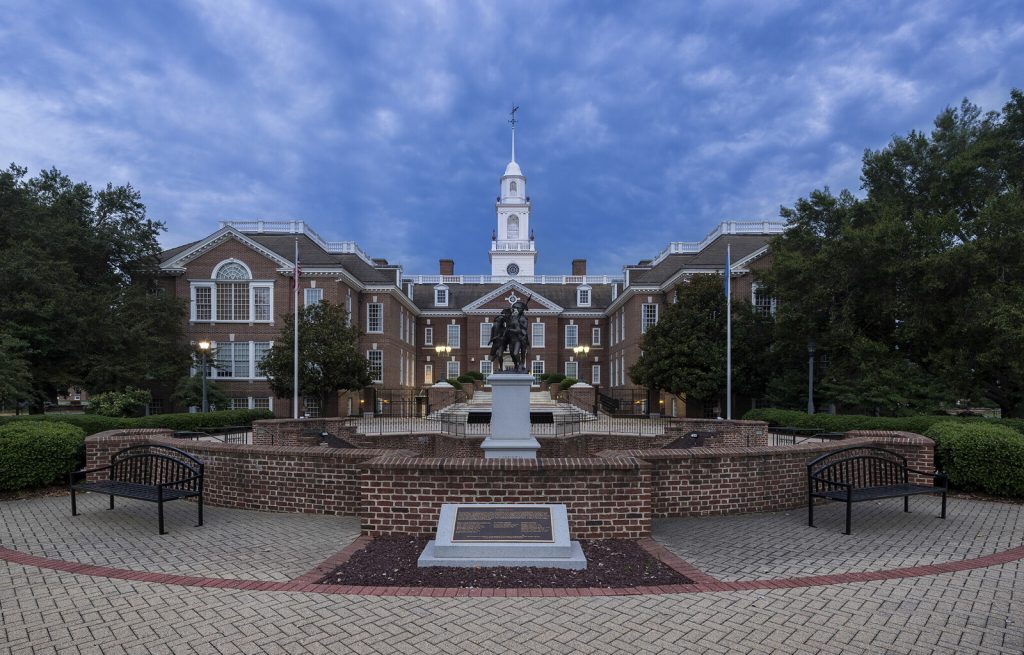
(511, 333)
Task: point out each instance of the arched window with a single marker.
(512, 187)
(513, 227)
(233, 271)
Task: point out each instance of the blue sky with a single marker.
(385, 122)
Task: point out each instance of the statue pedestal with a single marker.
(510, 417)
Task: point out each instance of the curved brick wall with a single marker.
(612, 495)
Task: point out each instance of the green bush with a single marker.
(845, 422)
(979, 456)
(454, 382)
(476, 375)
(555, 378)
(93, 423)
(466, 378)
(544, 377)
(130, 402)
(34, 454)
(566, 383)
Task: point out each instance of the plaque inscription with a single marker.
(482, 524)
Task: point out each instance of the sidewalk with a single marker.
(978, 610)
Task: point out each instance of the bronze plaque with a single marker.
(509, 523)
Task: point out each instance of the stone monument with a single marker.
(510, 398)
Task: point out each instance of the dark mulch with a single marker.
(38, 492)
(611, 563)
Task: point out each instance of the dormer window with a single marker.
(583, 296)
(441, 296)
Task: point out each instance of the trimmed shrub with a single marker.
(846, 422)
(130, 402)
(555, 378)
(566, 383)
(454, 382)
(466, 378)
(93, 423)
(979, 456)
(544, 377)
(34, 454)
(476, 375)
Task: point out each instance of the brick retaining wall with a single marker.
(303, 432)
(721, 433)
(714, 481)
(605, 497)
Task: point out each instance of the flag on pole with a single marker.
(295, 322)
(728, 334)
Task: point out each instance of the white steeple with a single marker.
(512, 249)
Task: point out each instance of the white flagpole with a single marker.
(728, 333)
(295, 352)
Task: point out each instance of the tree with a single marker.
(189, 392)
(684, 353)
(15, 374)
(329, 357)
(78, 285)
(915, 292)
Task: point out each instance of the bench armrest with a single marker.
(83, 472)
(831, 483)
(939, 476)
(181, 481)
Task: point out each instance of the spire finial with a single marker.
(513, 121)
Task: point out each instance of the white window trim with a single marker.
(579, 293)
(212, 286)
(458, 335)
(595, 374)
(576, 339)
(575, 366)
(428, 335)
(595, 336)
(643, 316)
(305, 297)
(534, 341)
(448, 368)
(372, 379)
(381, 330)
(428, 374)
(447, 295)
(485, 343)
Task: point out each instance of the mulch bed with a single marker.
(611, 563)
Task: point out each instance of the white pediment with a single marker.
(509, 293)
(220, 236)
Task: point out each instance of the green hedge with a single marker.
(92, 423)
(980, 456)
(845, 422)
(34, 454)
(566, 383)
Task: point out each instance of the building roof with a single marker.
(461, 295)
(711, 257)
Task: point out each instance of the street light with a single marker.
(204, 348)
(581, 352)
(443, 350)
(811, 346)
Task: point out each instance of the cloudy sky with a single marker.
(386, 122)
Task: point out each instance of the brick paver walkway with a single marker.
(972, 611)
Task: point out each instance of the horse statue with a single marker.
(510, 332)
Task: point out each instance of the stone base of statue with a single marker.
(510, 417)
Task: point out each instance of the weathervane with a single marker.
(513, 119)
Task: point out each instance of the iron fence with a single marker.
(786, 436)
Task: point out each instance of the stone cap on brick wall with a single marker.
(889, 437)
(621, 463)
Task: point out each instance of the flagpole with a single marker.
(728, 333)
(295, 352)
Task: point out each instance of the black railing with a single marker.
(786, 436)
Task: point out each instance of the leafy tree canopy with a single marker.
(329, 357)
(78, 286)
(914, 293)
(684, 353)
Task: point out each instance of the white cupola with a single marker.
(513, 254)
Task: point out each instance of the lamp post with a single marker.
(811, 346)
(441, 351)
(581, 352)
(204, 348)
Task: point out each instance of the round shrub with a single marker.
(980, 456)
(454, 382)
(555, 378)
(566, 383)
(475, 375)
(38, 453)
(465, 378)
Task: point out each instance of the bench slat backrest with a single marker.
(859, 466)
(152, 465)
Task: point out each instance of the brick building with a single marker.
(238, 281)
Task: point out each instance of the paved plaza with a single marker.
(954, 586)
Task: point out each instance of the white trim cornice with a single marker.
(220, 236)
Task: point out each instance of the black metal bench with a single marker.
(861, 473)
(152, 473)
